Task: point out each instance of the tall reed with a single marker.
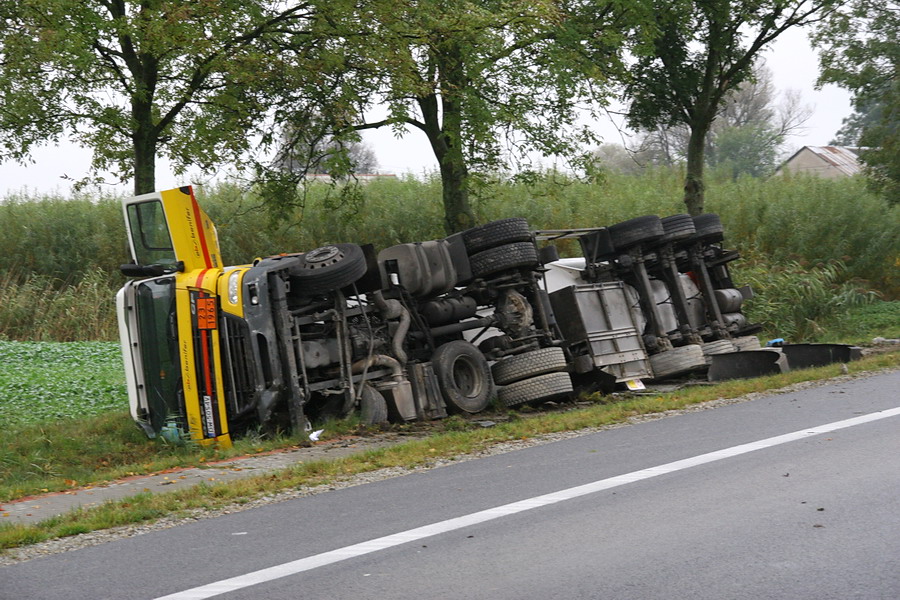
(37, 307)
(797, 302)
(51, 244)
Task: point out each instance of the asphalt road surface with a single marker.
(793, 495)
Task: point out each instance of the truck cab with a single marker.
(170, 318)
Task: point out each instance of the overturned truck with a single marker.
(417, 330)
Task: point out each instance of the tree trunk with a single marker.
(144, 163)
(693, 181)
(458, 213)
(447, 149)
(455, 191)
(145, 135)
(454, 172)
(448, 152)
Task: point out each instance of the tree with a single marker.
(750, 149)
(860, 51)
(485, 81)
(696, 53)
(745, 137)
(864, 116)
(619, 159)
(313, 152)
(750, 131)
(362, 157)
(131, 79)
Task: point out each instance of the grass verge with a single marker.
(58, 456)
(456, 437)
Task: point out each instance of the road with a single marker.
(793, 495)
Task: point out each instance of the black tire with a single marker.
(708, 228)
(717, 347)
(496, 233)
(640, 230)
(502, 258)
(529, 364)
(677, 228)
(747, 342)
(373, 408)
(678, 360)
(464, 377)
(548, 254)
(543, 388)
(328, 268)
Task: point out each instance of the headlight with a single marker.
(234, 281)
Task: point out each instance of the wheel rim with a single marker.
(323, 256)
(465, 377)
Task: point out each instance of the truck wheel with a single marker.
(639, 230)
(464, 377)
(502, 258)
(717, 347)
(542, 388)
(328, 268)
(677, 228)
(496, 233)
(529, 364)
(747, 342)
(678, 360)
(373, 408)
(708, 228)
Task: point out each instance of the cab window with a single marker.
(150, 234)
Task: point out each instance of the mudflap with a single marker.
(747, 364)
(805, 356)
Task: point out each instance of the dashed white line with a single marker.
(419, 533)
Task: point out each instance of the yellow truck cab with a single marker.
(169, 321)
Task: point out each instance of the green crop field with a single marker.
(46, 381)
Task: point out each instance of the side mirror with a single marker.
(133, 270)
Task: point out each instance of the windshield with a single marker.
(155, 299)
(150, 234)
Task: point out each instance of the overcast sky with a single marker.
(791, 59)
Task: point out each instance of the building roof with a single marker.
(843, 159)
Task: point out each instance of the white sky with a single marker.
(791, 59)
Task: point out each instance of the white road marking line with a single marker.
(403, 537)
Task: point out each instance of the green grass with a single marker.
(804, 303)
(63, 454)
(864, 323)
(462, 438)
(39, 307)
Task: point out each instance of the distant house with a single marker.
(824, 161)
